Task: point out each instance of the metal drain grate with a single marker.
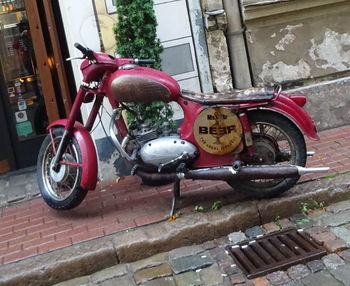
(275, 251)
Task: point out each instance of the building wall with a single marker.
(304, 44)
(298, 40)
(107, 18)
(301, 44)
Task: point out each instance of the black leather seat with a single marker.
(233, 97)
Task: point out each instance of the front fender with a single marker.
(88, 153)
(284, 105)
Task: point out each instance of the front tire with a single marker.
(276, 141)
(60, 190)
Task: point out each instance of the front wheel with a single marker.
(60, 189)
(276, 141)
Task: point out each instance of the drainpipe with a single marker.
(102, 47)
(236, 43)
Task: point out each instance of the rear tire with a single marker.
(271, 134)
(60, 190)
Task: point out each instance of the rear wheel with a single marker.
(60, 189)
(276, 141)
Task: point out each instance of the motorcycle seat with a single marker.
(233, 97)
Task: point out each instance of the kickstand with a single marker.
(176, 188)
(176, 196)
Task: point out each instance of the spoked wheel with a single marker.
(60, 188)
(276, 141)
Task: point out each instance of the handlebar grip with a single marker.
(144, 61)
(81, 48)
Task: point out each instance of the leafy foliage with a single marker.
(136, 37)
(216, 205)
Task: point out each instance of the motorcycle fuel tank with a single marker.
(165, 149)
(143, 85)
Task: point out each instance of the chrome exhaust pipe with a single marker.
(249, 172)
(304, 171)
(308, 153)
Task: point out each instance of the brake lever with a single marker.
(74, 58)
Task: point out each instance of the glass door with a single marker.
(21, 89)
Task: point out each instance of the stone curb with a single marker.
(127, 246)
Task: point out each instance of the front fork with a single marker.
(68, 128)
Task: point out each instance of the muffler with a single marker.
(249, 172)
(234, 173)
(227, 173)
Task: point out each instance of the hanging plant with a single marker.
(136, 37)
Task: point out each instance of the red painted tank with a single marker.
(143, 85)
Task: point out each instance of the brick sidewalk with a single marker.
(32, 228)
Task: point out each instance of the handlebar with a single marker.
(144, 61)
(86, 51)
(81, 48)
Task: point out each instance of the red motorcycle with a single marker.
(252, 139)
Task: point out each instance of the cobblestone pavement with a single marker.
(209, 263)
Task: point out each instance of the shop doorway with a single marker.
(24, 118)
(34, 87)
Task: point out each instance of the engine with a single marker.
(158, 147)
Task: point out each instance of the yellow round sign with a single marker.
(218, 130)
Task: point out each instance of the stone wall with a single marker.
(328, 102)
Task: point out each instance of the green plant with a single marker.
(136, 37)
(216, 205)
(316, 205)
(302, 221)
(304, 207)
(199, 208)
(277, 222)
(310, 205)
(331, 176)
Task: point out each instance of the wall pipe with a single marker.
(237, 46)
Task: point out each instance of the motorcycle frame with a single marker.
(93, 70)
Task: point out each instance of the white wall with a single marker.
(80, 26)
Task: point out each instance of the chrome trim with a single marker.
(84, 84)
(180, 176)
(233, 171)
(128, 67)
(303, 171)
(115, 116)
(278, 90)
(310, 153)
(74, 58)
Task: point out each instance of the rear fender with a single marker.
(285, 106)
(88, 153)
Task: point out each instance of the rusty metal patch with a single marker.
(139, 89)
(275, 251)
